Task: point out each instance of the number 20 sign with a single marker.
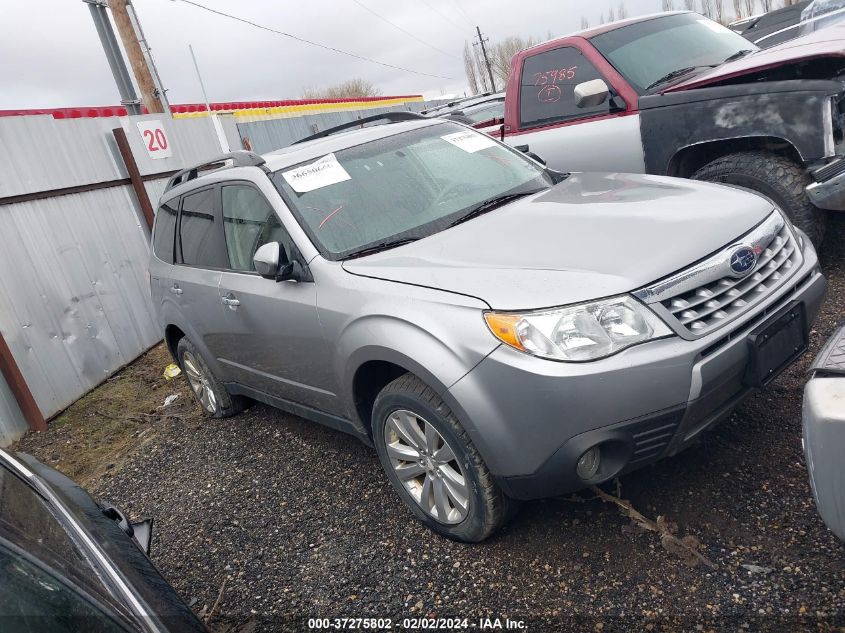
(154, 138)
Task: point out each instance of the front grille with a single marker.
(709, 295)
(712, 305)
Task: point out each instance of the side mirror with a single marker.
(271, 262)
(524, 149)
(590, 94)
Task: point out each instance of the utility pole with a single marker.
(151, 96)
(486, 59)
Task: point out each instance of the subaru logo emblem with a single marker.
(743, 260)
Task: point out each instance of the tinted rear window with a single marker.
(164, 234)
(200, 235)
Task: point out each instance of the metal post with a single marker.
(128, 97)
(218, 128)
(134, 175)
(19, 388)
(486, 59)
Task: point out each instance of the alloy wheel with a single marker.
(427, 466)
(199, 382)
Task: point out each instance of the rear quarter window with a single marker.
(164, 232)
(547, 87)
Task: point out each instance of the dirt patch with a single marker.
(100, 430)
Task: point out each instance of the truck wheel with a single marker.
(433, 465)
(211, 395)
(776, 177)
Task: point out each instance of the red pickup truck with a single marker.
(677, 94)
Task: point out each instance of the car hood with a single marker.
(591, 236)
(828, 42)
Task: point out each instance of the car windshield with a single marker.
(647, 52)
(403, 187)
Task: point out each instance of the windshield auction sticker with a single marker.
(321, 173)
(469, 141)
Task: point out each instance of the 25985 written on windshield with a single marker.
(556, 75)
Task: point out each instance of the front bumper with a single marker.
(824, 432)
(828, 190)
(531, 419)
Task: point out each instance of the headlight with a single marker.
(583, 332)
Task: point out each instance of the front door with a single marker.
(567, 137)
(274, 342)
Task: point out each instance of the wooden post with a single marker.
(134, 175)
(143, 75)
(14, 378)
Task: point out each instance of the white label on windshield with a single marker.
(321, 173)
(469, 141)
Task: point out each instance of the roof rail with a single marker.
(390, 117)
(239, 158)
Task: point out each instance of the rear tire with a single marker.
(212, 396)
(776, 177)
(433, 465)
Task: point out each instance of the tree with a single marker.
(767, 5)
(470, 69)
(719, 11)
(611, 15)
(689, 5)
(707, 7)
(502, 52)
(668, 5)
(348, 89)
(585, 23)
(622, 12)
(738, 14)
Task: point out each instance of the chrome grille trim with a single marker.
(709, 295)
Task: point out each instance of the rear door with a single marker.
(200, 259)
(567, 137)
(273, 342)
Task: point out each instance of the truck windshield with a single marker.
(651, 54)
(403, 187)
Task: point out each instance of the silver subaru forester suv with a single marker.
(497, 330)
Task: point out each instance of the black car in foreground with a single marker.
(70, 564)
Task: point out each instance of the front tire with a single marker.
(433, 465)
(213, 398)
(776, 177)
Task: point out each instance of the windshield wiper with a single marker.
(489, 205)
(381, 246)
(675, 74)
(737, 55)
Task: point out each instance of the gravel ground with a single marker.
(277, 520)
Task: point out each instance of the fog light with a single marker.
(588, 463)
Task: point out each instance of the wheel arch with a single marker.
(690, 158)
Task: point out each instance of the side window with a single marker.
(200, 240)
(547, 90)
(249, 222)
(164, 232)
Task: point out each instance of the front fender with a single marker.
(675, 122)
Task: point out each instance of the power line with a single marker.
(464, 15)
(312, 43)
(444, 16)
(396, 26)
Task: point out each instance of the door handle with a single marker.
(230, 301)
(175, 289)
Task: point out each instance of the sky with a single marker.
(55, 59)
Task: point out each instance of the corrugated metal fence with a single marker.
(74, 299)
